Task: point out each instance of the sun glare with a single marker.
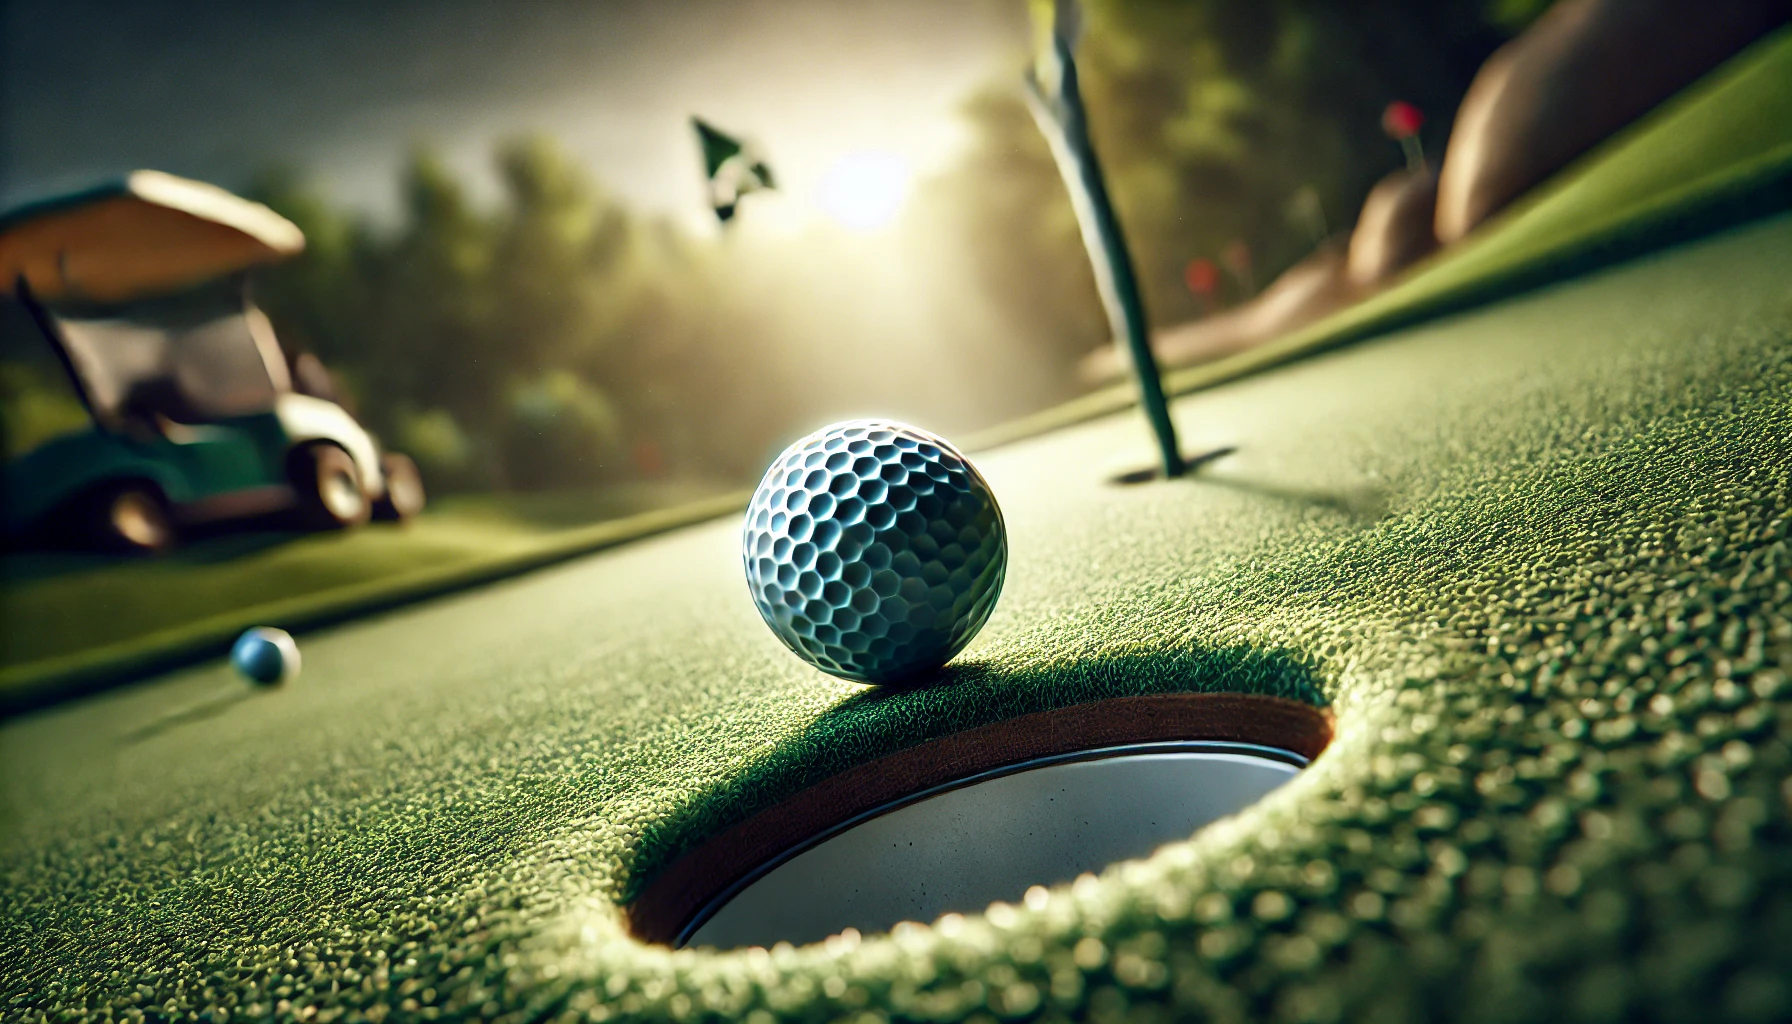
(864, 190)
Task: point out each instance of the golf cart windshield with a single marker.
(201, 355)
(38, 401)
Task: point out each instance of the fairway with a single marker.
(1530, 558)
(72, 622)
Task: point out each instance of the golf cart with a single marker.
(194, 415)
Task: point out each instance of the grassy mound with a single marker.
(1714, 156)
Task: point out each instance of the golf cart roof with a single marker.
(148, 234)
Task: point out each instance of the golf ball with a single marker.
(265, 656)
(874, 550)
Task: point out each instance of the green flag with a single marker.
(731, 167)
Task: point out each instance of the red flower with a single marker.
(1202, 276)
(1401, 120)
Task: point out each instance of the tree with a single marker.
(539, 342)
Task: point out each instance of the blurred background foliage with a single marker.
(560, 338)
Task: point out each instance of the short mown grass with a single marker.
(72, 622)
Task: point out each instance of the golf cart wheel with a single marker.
(404, 495)
(329, 489)
(128, 518)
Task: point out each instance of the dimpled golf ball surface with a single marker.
(265, 656)
(874, 550)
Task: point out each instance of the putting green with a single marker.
(1533, 558)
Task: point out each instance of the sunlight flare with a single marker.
(864, 190)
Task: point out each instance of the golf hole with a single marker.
(962, 846)
(975, 816)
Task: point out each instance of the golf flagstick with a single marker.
(1057, 106)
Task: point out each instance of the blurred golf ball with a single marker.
(874, 550)
(265, 656)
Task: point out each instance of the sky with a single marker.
(343, 91)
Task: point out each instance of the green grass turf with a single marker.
(1534, 557)
(1718, 154)
(71, 622)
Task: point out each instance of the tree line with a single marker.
(561, 338)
